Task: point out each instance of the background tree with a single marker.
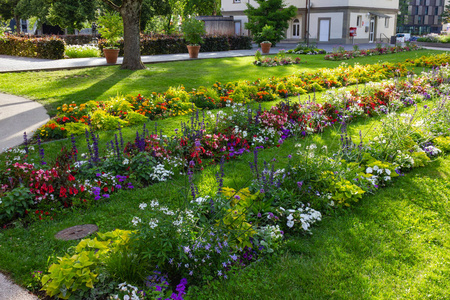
(9, 10)
(130, 10)
(270, 12)
(71, 14)
(153, 8)
(202, 7)
(446, 14)
(402, 17)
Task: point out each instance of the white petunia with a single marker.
(369, 170)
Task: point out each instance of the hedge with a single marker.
(46, 47)
(176, 44)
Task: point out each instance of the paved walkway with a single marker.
(22, 64)
(10, 291)
(19, 115)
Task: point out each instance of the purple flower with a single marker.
(237, 197)
(105, 196)
(98, 174)
(97, 198)
(118, 186)
(289, 156)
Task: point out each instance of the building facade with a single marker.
(423, 16)
(329, 20)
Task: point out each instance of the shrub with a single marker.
(47, 47)
(176, 44)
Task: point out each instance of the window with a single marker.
(426, 10)
(386, 22)
(236, 1)
(436, 10)
(417, 10)
(358, 21)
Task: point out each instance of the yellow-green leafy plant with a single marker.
(100, 119)
(76, 128)
(420, 159)
(77, 271)
(134, 118)
(235, 217)
(443, 142)
(342, 191)
(177, 92)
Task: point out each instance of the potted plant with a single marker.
(192, 32)
(110, 26)
(267, 37)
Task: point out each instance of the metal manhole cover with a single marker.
(76, 232)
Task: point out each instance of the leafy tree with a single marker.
(202, 7)
(8, 10)
(152, 8)
(401, 18)
(446, 14)
(71, 13)
(270, 12)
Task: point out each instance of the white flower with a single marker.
(153, 223)
(142, 206)
(387, 178)
(154, 203)
(125, 161)
(375, 167)
(290, 224)
(136, 221)
(126, 297)
(369, 170)
(290, 217)
(388, 171)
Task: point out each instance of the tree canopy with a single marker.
(272, 13)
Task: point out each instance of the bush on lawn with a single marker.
(47, 47)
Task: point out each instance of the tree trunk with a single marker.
(18, 25)
(131, 13)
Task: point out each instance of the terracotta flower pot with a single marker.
(193, 51)
(265, 48)
(111, 55)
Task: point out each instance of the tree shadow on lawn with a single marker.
(95, 90)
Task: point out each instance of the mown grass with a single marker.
(394, 244)
(58, 87)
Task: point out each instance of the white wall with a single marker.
(337, 20)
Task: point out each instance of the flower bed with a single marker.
(279, 60)
(217, 233)
(106, 115)
(344, 55)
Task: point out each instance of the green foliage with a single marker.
(420, 159)
(192, 31)
(134, 118)
(268, 34)
(342, 191)
(110, 26)
(76, 128)
(100, 119)
(15, 203)
(76, 273)
(443, 142)
(269, 12)
(71, 13)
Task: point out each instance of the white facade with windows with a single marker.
(330, 20)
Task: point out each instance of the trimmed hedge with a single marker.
(176, 44)
(46, 47)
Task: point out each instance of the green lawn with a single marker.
(392, 245)
(80, 85)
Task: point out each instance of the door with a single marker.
(324, 30)
(296, 29)
(372, 30)
(237, 28)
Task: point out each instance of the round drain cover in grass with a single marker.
(76, 232)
